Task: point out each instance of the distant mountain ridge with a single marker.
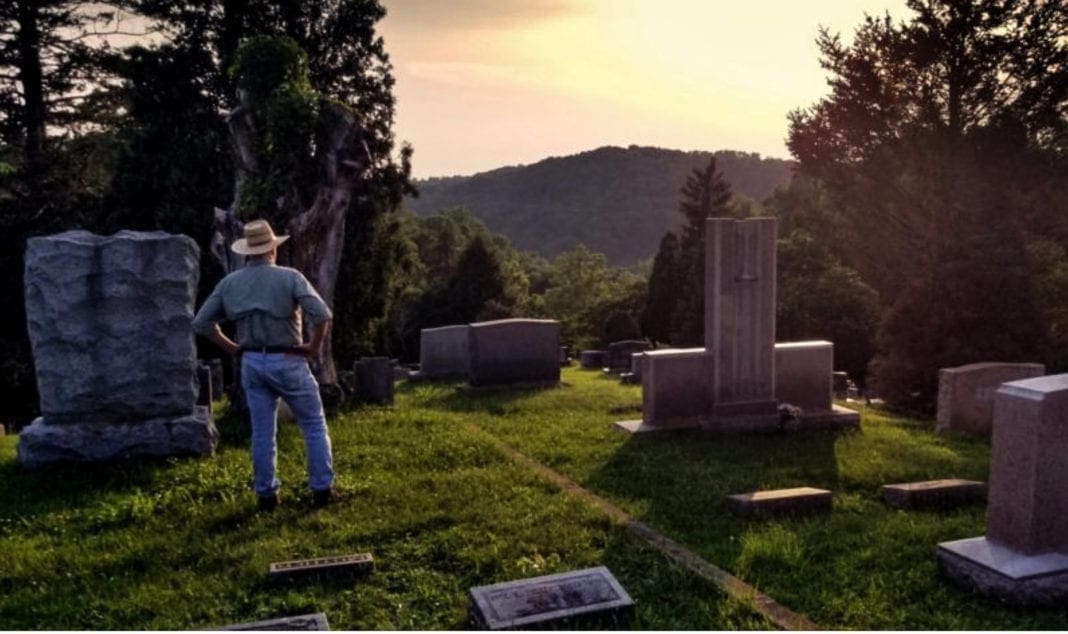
(617, 201)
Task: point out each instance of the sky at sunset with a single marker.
(487, 83)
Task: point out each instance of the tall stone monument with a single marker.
(1023, 558)
(109, 319)
(740, 323)
(732, 384)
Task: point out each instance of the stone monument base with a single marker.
(43, 443)
(837, 418)
(1001, 572)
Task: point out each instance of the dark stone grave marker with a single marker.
(304, 622)
(552, 600)
(934, 494)
(344, 564)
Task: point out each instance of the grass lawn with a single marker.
(177, 544)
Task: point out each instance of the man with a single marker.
(266, 301)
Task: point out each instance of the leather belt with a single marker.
(275, 349)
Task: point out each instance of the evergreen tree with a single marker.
(663, 294)
(705, 195)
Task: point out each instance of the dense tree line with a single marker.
(940, 156)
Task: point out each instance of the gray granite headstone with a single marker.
(621, 352)
(740, 323)
(514, 351)
(109, 319)
(304, 622)
(966, 394)
(1023, 558)
(443, 352)
(550, 601)
(593, 359)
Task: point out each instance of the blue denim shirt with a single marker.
(266, 301)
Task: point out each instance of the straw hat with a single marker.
(259, 239)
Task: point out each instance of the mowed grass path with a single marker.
(177, 544)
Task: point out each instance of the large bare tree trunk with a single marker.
(317, 234)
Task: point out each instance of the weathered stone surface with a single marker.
(803, 373)
(514, 351)
(304, 622)
(444, 352)
(360, 563)
(966, 394)
(109, 318)
(559, 600)
(1024, 556)
(3, 431)
(42, 442)
(1006, 574)
(934, 494)
(593, 359)
(620, 353)
(780, 502)
(374, 380)
(564, 358)
(740, 323)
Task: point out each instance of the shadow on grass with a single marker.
(678, 481)
(69, 486)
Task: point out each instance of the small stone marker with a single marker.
(780, 502)
(934, 494)
(373, 380)
(304, 622)
(550, 600)
(359, 563)
(3, 431)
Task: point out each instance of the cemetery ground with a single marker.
(177, 543)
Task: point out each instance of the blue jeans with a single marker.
(266, 377)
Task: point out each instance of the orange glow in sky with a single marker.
(487, 83)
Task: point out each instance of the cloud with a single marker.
(480, 14)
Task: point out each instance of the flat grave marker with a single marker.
(934, 494)
(780, 502)
(343, 564)
(302, 623)
(550, 600)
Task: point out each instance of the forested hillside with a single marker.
(617, 201)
